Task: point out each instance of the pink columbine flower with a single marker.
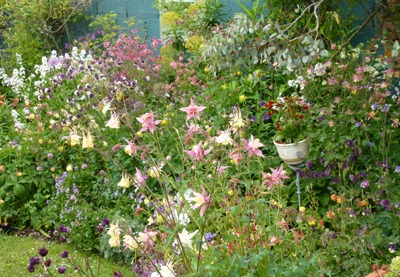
(140, 178)
(198, 152)
(148, 122)
(275, 178)
(202, 200)
(274, 240)
(131, 148)
(193, 111)
(252, 146)
(147, 238)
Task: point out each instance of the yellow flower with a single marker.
(330, 214)
(40, 141)
(154, 172)
(242, 98)
(113, 123)
(169, 18)
(130, 242)
(194, 44)
(87, 140)
(230, 192)
(224, 138)
(1, 201)
(114, 233)
(125, 181)
(224, 86)
(19, 173)
(302, 209)
(69, 167)
(164, 122)
(311, 221)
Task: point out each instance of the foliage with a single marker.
(184, 24)
(33, 29)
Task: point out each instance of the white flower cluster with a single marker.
(17, 81)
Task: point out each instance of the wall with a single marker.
(147, 17)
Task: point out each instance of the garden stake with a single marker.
(296, 168)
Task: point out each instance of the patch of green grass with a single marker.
(15, 251)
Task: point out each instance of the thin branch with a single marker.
(357, 31)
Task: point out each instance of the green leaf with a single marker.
(19, 189)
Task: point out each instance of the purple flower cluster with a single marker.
(32, 262)
(100, 227)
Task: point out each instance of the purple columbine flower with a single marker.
(64, 229)
(364, 184)
(385, 108)
(352, 213)
(386, 204)
(392, 247)
(266, 117)
(209, 237)
(335, 180)
(349, 143)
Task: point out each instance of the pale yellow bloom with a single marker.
(224, 138)
(73, 138)
(69, 167)
(87, 140)
(130, 242)
(236, 120)
(186, 238)
(154, 171)
(125, 181)
(114, 232)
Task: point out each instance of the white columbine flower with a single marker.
(186, 238)
(113, 122)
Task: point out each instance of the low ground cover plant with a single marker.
(177, 152)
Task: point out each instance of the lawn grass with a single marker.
(15, 251)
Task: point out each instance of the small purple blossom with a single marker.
(31, 268)
(118, 274)
(392, 247)
(64, 254)
(50, 156)
(397, 169)
(47, 263)
(61, 270)
(209, 237)
(43, 251)
(34, 261)
(63, 229)
(84, 166)
(386, 204)
(364, 184)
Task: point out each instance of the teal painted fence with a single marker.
(146, 16)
